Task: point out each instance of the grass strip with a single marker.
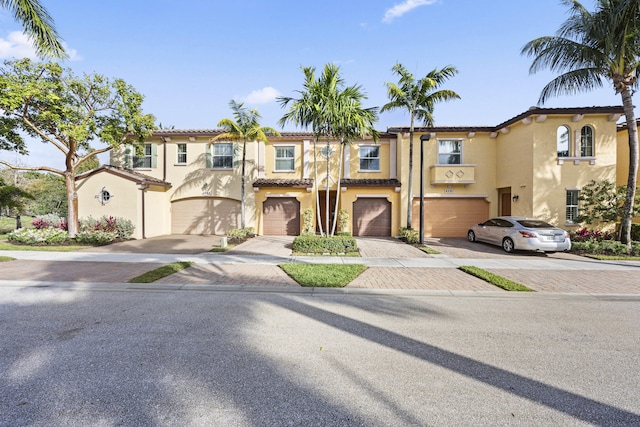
(494, 279)
(160, 272)
(428, 250)
(323, 275)
(612, 257)
(6, 258)
(7, 246)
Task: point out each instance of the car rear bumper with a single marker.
(538, 245)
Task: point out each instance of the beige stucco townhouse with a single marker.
(534, 164)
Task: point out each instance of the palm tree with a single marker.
(589, 49)
(38, 25)
(245, 127)
(334, 112)
(418, 98)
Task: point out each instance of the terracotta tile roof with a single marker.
(533, 111)
(295, 183)
(370, 182)
(129, 174)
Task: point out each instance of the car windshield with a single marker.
(534, 223)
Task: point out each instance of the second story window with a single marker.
(449, 152)
(222, 156)
(144, 159)
(586, 141)
(182, 153)
(284, 158)
(563, 141)
(370, 158)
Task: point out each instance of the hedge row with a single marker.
(321, 245)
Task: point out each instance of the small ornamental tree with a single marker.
(71, 113)
(603, 201)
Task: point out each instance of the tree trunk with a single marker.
(335, 209)
(410, 180)
(18, 221)
(632, 179)
(72, 220)
(327, 210)
(242, 179)
(316, 183)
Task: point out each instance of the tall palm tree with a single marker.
(418, 98)
(38, 25)
(245, 127)
(589, 49)
(332, 111)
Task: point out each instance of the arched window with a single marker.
(564, 141)
(586, 141)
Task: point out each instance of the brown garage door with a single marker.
(372, 217)
(204, 215)
(281, 216)
(450, 217)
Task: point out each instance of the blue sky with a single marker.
(190, 59)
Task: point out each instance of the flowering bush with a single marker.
(122, 227)
(583, 235)
(32, 236)
(50, 221)
(96, 236)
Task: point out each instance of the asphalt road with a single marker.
(77, 357)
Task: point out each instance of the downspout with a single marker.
(164, 158)
(143, 187)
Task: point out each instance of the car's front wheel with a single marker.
(507, 245)
(471, 236)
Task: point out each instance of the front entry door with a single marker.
(505, 203)
(322, 207)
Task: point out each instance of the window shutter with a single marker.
(236, 154)
(127, 156)
(207, 155)
(154, 156)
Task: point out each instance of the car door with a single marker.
(504, 229)
(486, 231)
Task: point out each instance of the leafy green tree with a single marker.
(13, 198)
(38, 25)
(603, 201)
(591, 48)
(332, 111)
(49, 191)
(50, 103)
(418, 98)
(245, 127)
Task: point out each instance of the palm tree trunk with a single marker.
(632, 179)
(335, 209)
(242, 168)
(316, 184)
(326, 218)
(410, 180)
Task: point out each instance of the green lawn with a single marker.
(6, 258)
(494, 279)
(323, 275)
(8, 246)
(8, 224)
(160, 272)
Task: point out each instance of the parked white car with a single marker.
(520, 233)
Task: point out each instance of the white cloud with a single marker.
(262, 96)
(17, 45)
(402, 8)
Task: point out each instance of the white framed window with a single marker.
(563, 139)
(182, 154)
(572, 206)
(285, 158)
(449, 152)
(586, 141)
(222, 156)
(370, 158)
(145, 159)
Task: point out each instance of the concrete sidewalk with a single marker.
(254, 263)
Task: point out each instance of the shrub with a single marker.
(343, 220)
(604, 247)
(409, 235)
(47, 236)
(122, 227)
(240, 234)
(49, 221)
(583, 234)
(307, 221)
(96, 236)
(319, 244)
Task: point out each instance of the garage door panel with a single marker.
(450, 217)
(204, 216)
(281, 216)
(372, 217)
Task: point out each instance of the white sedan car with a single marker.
(519, 233)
